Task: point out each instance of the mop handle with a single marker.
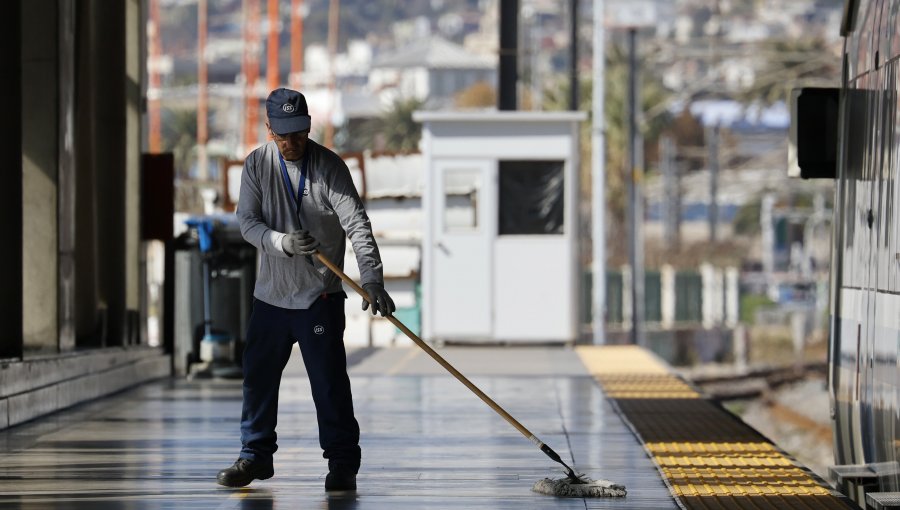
(437, 357)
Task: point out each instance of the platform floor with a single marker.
(427, 441)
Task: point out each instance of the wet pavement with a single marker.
(427, 441)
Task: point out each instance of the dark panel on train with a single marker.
(816, 119)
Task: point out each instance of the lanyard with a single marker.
(298, 199)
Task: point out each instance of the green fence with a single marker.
(614, 303)
(688, 296)
(652, 296)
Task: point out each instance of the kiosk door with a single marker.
(461, 294)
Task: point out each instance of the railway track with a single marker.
(753, 383)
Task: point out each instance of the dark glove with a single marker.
(299, 243)
(379, 298)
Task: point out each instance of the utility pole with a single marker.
(272, 60)
(672, 186)
(251, 73)
(507, 75)
(598, 172)
(767, 227)
(534, 53)
(635, 211)
(154, 144)
(712, 136)
(333, 18)
(712, 132)
(296, 43)
(202, 93)
(573, 56)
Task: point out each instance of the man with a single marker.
(297, 197)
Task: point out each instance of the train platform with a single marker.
(616, 413)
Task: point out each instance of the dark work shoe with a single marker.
(338, 480)
(244, 471)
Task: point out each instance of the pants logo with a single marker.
(319, 330)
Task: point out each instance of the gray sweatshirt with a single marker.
(331, 210)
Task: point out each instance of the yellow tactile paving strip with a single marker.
(709, 458)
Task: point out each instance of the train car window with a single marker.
(848, 22)
(856, 132)
(891, 211)
(887, 209)
(894, 252)
(885, 31)
(870, 100)
(856, 136)
(851, 66)
(887, 104)
(863, 38)
(889, 163)
(880, 32)
(892, 188)
(893, 46)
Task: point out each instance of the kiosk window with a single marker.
(461, 190)
(531, 197)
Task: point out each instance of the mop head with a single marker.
(588, 488)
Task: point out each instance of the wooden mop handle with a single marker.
(431, 352)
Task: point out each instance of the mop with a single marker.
(573, 485)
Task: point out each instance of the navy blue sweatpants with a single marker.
(320, 332)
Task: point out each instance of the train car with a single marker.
(851, 134)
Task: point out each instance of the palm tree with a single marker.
(616, 80)
(179, 136)
(790, 63)
(396, 129)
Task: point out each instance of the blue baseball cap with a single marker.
(287, 111)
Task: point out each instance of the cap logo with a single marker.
(287, 108)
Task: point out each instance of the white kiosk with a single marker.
(500, 245)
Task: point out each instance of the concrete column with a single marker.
(40, 121)
(626, 295)
(109, 148)
(508, 68)
(88, 319)
(719, 293)
(732, 296)
(66, 182)
(767, 226)
(598, 173)
(740, 347)
(798, 319)
(711, 300)
(108, 141)
(132, 192)
(667, 297)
